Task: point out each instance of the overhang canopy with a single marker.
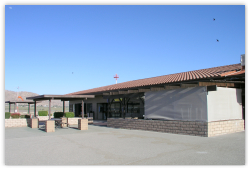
(24, 101)
(60, 97)
(132, 95)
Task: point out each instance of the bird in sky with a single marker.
(214, 19)
(217, 40)
(72, 72)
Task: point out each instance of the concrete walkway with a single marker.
(101, 145)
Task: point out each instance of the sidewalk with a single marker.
(101, 145)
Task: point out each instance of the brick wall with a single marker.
(225, 127)
(177, 127)
(17, 122)
(173, 126)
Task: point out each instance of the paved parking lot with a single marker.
(101, 145)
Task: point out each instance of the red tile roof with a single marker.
(233, 73)
(228, 73)
(171, 78)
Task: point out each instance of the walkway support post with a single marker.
(28, 108)
(63, 108)
(49, 108)
(14, 107)
(9, 107)
(35, 108)
(107, 111)
(82, 109)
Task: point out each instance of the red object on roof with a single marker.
(116, 76)
(171, 78)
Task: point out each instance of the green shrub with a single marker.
(42, 113)
(7, 115)
(15, 115)
(69, 114)
(58, 114)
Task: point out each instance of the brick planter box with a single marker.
(83, 124)
(34, 123)
(17, 122)
(64, 122)
(74, 120)
(44, 117)
(90, 120)
(50, 126)
(204, 129)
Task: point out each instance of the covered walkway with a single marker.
(29, 102)
(59, 97)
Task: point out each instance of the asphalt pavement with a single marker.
(101, 145)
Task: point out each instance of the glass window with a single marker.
(115, 110)
(71, 108)
(89, 107)
(133, 110)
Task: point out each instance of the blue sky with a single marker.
(64, 49)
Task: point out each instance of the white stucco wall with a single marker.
(224, 104)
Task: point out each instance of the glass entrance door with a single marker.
(102, 111)
(87, 110)
(115, 110)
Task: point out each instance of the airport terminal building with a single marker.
(204, 102)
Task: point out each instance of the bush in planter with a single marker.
(15, 115)
(7, 115)
(42, 113)
(69, 114)
(58, 114)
